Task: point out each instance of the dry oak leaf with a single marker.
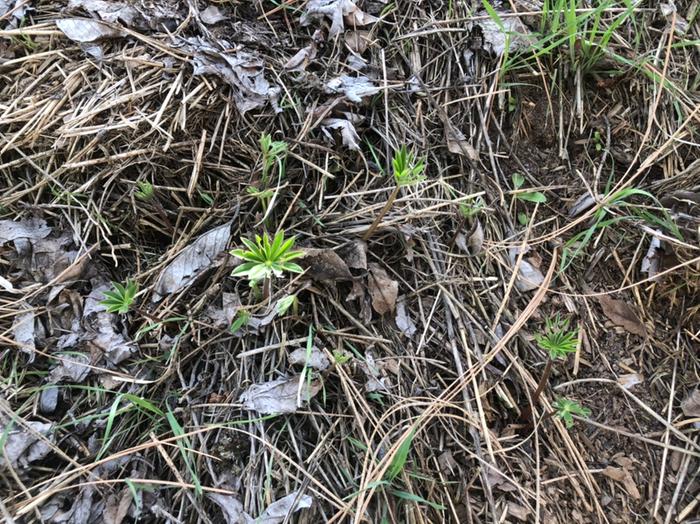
(324, 264)
(621, 314)
(382, 289)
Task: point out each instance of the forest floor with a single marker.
(498, 323)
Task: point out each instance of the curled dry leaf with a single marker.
(403, 320)
(191, 261)
(212, 15)
(630, 380)
(583, 203)
(23, 332)
(317, 359)
(353, 87)
(302, 58)
(87, 31)
(650, 262)
(23, 443)
(355, 254)
(324, 264)
(691, 404)
(279, 396)
(476, 239)
(351, 140)
(458, 144)
(32, 229)
(623, 476)
(339, 12)
(529, 277)
(621, 314)
(357, 41)
(275, 513)
(495, 35)
(383, 290)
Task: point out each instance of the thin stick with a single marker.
(381, 214)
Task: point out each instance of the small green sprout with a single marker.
(240, 320)
(470, 209)
(120, 299)
(558, 340)
(144, 190)
(266, 258)
(273, 152)
(527, 196)
(290, 301)
(341, 357)
(407, 169)
(565, 408)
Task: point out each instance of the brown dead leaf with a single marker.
(302, 58)
(357, 41)
(458, 144)
(355, 254)
(621, 314)
(623, 476)
(117, 506)
(324, 264)
(317, 359)
(519, 512)
(630, 380)
(691, 404)
(383, 290)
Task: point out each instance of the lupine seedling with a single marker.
(407, 170)
(558, 340)
(144, 190)
(566, 408)
(266, 258)
(273, 152)
(120, 298)
(527, 196)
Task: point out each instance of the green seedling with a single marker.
(240, 320)
(527, 196)
(283, 305)
(274, 152)
(120, 298)
(144, 190)
(472, 208)
(558, 340)
(407, 170)
(566, 408)
(266, 258)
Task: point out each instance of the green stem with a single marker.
(381, 214)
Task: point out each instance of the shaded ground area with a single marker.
(396, 379)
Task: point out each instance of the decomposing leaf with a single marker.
(691, 404)
(223, 317)
(23, 332)
(357, 41)
(351, 140)
(403, 319)
(86, 31)
(355, 254)
(117, 506)
(71, 366)
(458, 144)
(339, 12)
(48, 400)
(529, 277)
(495, 35)
(353, 87)
(623, 476)
(191, 261)
(242, 70)
(630, 380)
(302, 58)
(275, 513)
(583, 203)
(278, 396)
(32, 229)
(23, 443)
(621, 314)
(142, 15)
(650, 262)
(324, 264)
(212, 15)
(383, 290)
(519, 512)
(476, 239)
(100, 331)
(316, 359)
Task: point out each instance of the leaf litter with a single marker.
(275, 513)
(340, 12)
(279, 396)
(383, 289)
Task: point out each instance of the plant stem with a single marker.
(543, 381)
(381, 214)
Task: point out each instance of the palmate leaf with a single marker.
(120, 298)
(267, 257)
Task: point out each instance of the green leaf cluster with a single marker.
(120, 299)
(266, 258)
(558, 340)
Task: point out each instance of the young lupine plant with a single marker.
(121, 297)
(273, 152)
(407, 170)
(566, 408)
(266, 258)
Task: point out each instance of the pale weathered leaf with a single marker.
(339, 12)
(623, 476)
(583, 203)
(351, 140)
(117, 506)
(382, 289)
(691, 404)
(476, 239)
(458, 144)
(650, 262)
(403, 319)
(357, 41)
(354, 254)
(23, 443)
(278, 396)
(630, 380)
(85, 31)
(212, 15)
(192, 261)
(302, 58)
(529, 277)
(32, 229)
(353, 87)
(71, 366)
(317, 359)
(231, 508)
(509, 30)
(621, 314)
(278, 511)
(112, 11)
(23, 332)
(100, 330)
(48, 400)
(324, 264)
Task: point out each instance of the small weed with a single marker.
(290, 301)
(471, 209)
(144, 190)
(240, 320)
(266, 258)
(341, 357)
(558, 340)
(399, 460)
(566, 408)
(274, 152)
(527, 196)
(121, 298)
